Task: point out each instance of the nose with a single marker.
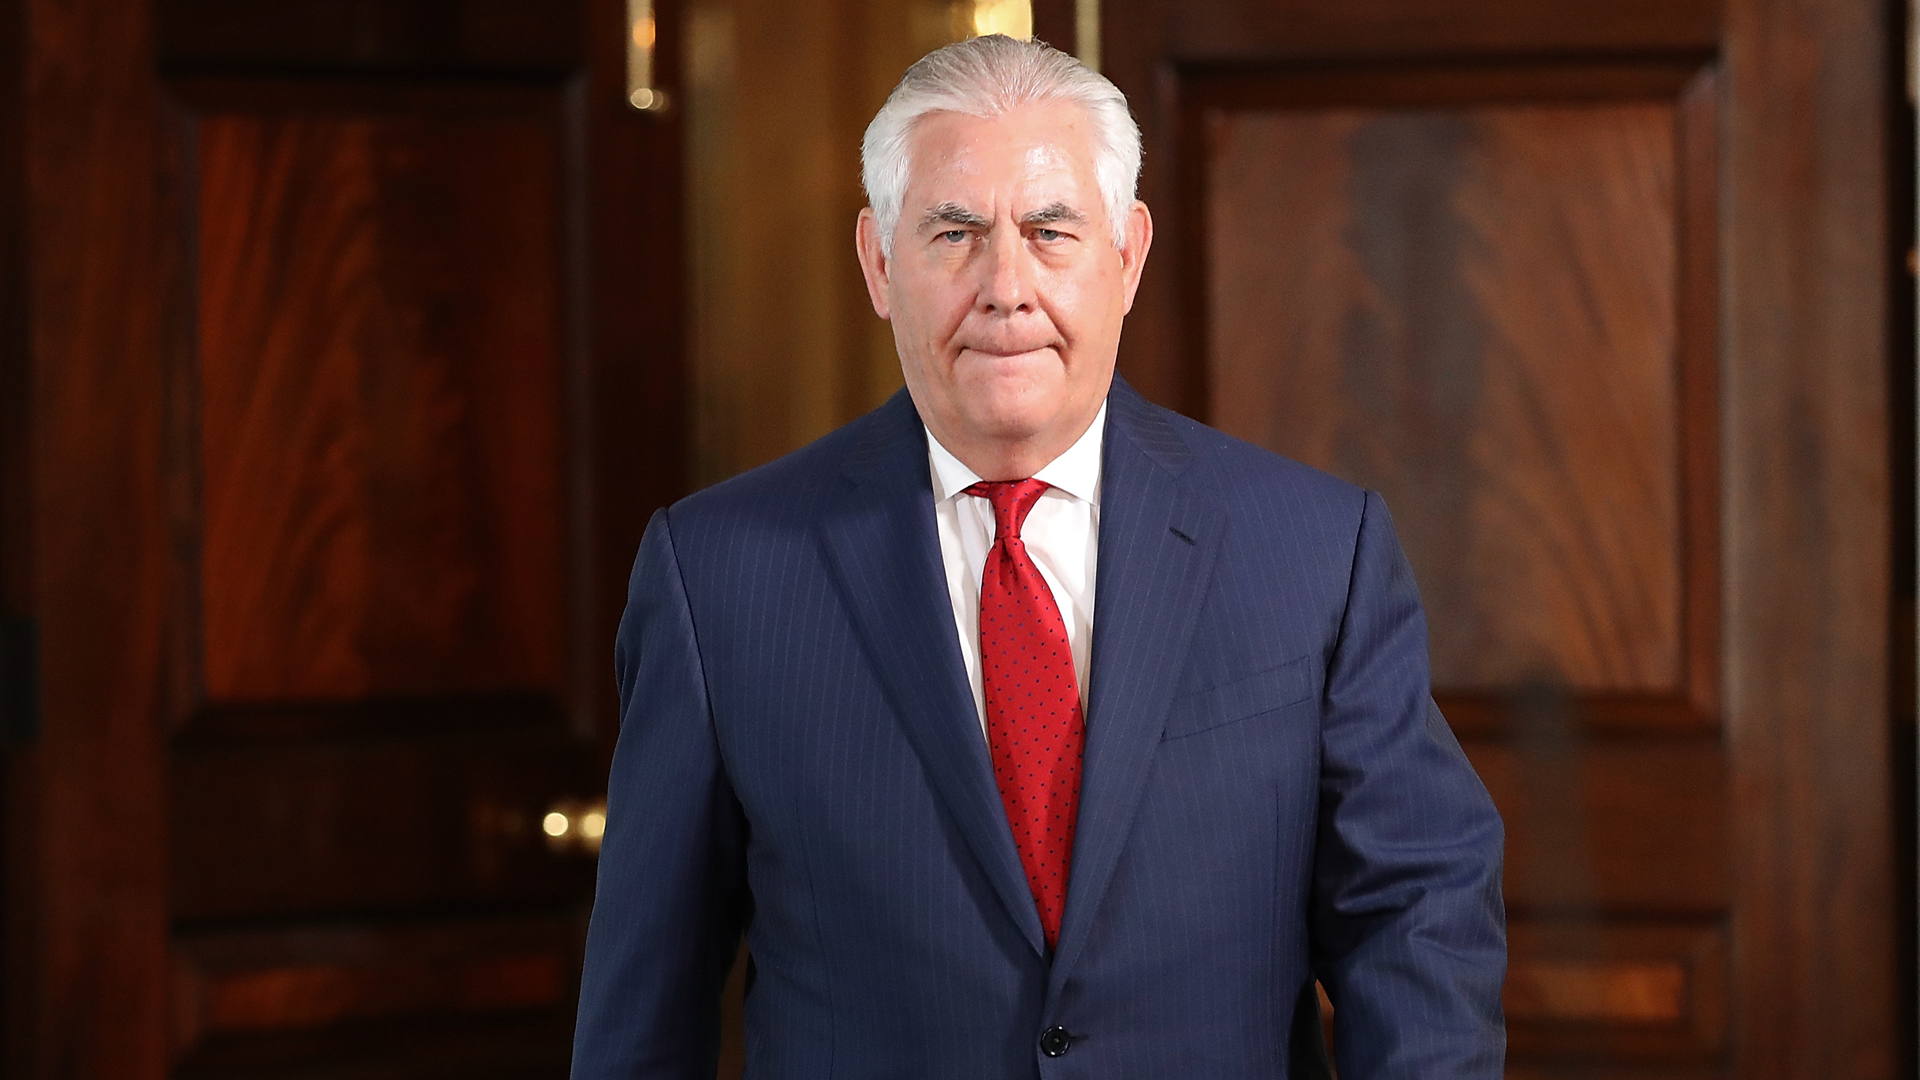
(1006, 286)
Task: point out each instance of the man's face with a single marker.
(1004, 288)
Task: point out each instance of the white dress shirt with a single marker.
(1062, 534)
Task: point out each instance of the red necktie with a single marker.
(1033, 701)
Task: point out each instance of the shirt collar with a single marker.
(1075, 472)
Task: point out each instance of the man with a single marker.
(1027, 729)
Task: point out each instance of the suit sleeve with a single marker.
(671, 898)
(1409, 929)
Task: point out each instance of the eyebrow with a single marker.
(1053, 212)
(952, 213)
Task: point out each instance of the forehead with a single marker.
(1042, 150)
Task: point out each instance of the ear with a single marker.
(873, 261)
(1139, 240)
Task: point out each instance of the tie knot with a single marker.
(1011, 500)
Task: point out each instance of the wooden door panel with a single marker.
(1583, 1071)
(238, 993)
(1262, 30)
(1478, 255)
(1469, 256)
(1472, 310)
(345, 438)
(1157, 51)
(387, 557)
(1469, 286)
(1653, 993)
(1629, 827)
(1477, 288)
(380, 358)
(319, 828)
(501, 1046)
(411, 35)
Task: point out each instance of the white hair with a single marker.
(985, 77)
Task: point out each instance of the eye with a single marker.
(1047, 235)
(954, 236)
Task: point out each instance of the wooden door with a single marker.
(353, 335)
(1595, 293)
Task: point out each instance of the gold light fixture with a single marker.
(1086, 31)
(1013, 18)
(642, 33)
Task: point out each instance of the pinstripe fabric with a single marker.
(1267, 791)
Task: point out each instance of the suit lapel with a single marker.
(1158, 539)
(885, 551)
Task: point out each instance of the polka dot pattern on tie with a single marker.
(1034, 724)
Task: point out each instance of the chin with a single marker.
(1014, 417)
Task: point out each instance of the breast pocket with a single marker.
(1254, 695)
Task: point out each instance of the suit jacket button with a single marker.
(1055, 1041)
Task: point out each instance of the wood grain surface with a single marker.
(86, 871)
(1596, 992)
(343, 439)
(309, 828)
(1157, 51)
(15, 381)
(380, 359)
(1736, 533)
(1652, 990)
(1807, 538)
(410, 36)
(1626, 827)
(1472, 311)
(255, 982)
(1260, 31)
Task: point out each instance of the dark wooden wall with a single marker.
(1485, 289)
(1901, 253)
(86, 829)
(354, 336)
(14, 388)
(1807, 501)
(1597, 295)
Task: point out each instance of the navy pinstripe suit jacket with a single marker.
(1268, 792)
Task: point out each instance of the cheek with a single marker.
(922, 338)
(1089, 305)
(930, 304)
(1071, 307)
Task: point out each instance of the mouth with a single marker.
(1009, 352)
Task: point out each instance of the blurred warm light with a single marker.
(1086, 31)
(575, 826)
(1013, 18)
(641, 93)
